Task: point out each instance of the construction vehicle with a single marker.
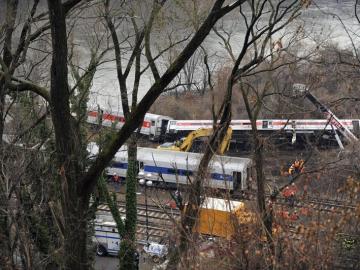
(185, 144)
(334, 122)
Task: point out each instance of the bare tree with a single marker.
(75, 181)
(256, 41)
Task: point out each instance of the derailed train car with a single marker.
(282, 131)
(178, 168)
(154, 125)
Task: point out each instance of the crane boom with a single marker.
(334, 121)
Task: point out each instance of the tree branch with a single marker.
(134, 121)
(24, 85)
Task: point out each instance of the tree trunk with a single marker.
(70, 154)
(196, 190)
(6, 260)
(128, 243)
(259, 160)
(5, 255)
(266, 215)
(75, 250)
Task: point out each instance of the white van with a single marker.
(106, 237)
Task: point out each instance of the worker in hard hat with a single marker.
(116, 178)
(289, 193)
(297, 167)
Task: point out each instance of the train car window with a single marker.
(140, 166)
(152, 123)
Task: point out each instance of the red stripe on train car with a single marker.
(299, 122)
(110, 117)
(210, 123)
(92, 113)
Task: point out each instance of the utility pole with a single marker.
(146, 183)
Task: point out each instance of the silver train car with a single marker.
(173, 167)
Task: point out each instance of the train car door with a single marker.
(265, 124)
(152, 129)
(164, 124)
(356, 128)
(237, 180)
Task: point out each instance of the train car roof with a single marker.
(191, 159)
(221, 204)
(177, 157)
(120, 113)
(275, 119)
(271, 124)
(152, 115)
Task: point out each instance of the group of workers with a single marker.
(289, 191)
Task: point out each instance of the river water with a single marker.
(319, 24)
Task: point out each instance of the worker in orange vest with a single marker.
(116, 178)
(289, 193)
(297, 167)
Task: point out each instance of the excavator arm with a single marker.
(189, 140)
(186, 144)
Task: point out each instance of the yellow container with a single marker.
(219, 217)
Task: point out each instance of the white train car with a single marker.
(154, 125)
(228, 173)
(175, 167)
(300, 125)
(286, 129)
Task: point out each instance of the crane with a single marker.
(334, 122)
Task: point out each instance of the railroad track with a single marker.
(151, 207)
(320, 204)
(160, 220)
(155, 224)
(154, 213)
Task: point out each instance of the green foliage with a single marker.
(39, 230)
(105, 135)
(127, 247)
(127, 255)
(111, 201)
(83, 82)
(38, 219)
(127, 231)
(30, 111)
(131, 182)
